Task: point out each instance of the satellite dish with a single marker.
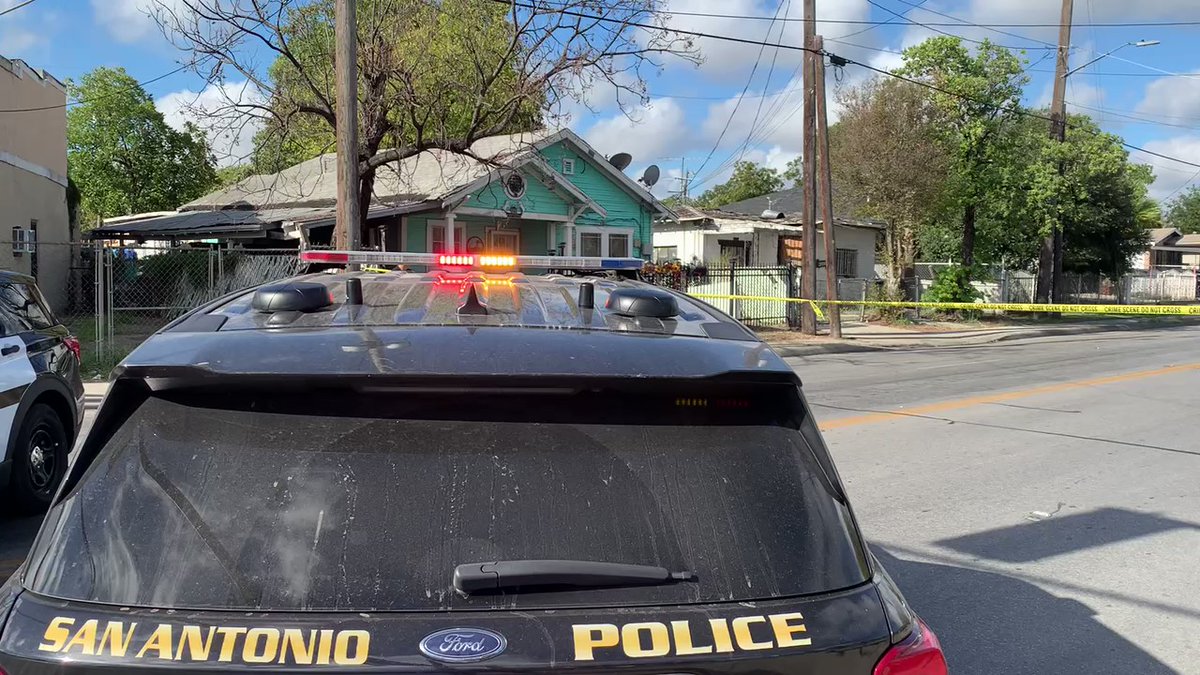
(620, 160)
(650, 176)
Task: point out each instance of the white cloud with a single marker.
(128, 20)
(18, 40)
(656, 131)
(1171, 176)
(230, 133)
(1173, 97)
(729, 61)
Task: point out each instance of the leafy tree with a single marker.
(1184, 211)
(978, 96)
(748, 180)
(888, 163)
(433, 74)
(229, 175)
(123, 155)
(1086, 183)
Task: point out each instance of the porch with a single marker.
(453, 232)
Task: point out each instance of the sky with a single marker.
(743, 101)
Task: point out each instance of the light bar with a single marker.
(437, 260)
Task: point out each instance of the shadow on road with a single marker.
(1036, 540)
(990, 623)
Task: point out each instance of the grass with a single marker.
(128, 332)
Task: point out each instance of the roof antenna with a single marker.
(354, 294)
(587, 295)
(472, 305)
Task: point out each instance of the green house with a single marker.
(527, 194)
(533, 196)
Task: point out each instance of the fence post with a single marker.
(733, 304)
(98, 299)
(862, 309)
(917, 292)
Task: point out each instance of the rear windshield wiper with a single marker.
(490, 576)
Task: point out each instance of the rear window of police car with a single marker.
(195, 507)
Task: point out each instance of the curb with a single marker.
(827, 348)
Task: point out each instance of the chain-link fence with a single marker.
(760, 282)
(113, 297)
(1137, 287)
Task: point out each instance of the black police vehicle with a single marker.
(41, 395)
(458, 469)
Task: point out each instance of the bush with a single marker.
(881, 293)
(953, 284)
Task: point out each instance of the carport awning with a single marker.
(230, 222)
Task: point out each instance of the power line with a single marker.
(911, 22)
(90, 100)
(960, 22)
(16, 7)
(889, 22)
(841, 60)
(972, 23)
(762, 46)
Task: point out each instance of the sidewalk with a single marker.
(859, 337)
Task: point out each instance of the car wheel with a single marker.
(39, 459)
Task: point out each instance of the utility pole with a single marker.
(684, 180)
(825, 188)
(347, 234)
(808, 236)
(1049, 286)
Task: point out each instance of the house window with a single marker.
(618, 245)
(590, 244)
(847, 262)
(437, 236)
(666, 253)
(608, 242)
(568, 167)
(733, 252)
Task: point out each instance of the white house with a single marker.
(766, 238)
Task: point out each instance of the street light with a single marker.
(1138, 43)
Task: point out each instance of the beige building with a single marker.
(34, 225)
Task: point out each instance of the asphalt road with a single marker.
(1038, 502)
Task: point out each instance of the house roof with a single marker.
(1160, 235)
(202, 223)
(433, 176)
(1188, 240)
(785, 201)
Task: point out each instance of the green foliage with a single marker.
(886, 293)
(748, 180)
(123, 155)
(229, 175)
(952, 284)
(416, 78)
(979, 97)
(1183, 212)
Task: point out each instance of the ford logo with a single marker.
(461, 645)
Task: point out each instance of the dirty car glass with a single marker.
(211, 508)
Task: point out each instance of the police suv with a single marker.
(41, 395)
(456, 467)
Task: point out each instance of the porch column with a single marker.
(570, 230)
(450, 243)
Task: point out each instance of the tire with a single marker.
(39, 460)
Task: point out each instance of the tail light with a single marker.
(72, 344)
(918, 654)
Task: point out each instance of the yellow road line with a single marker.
(958, 404)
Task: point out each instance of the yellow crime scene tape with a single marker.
(1162, 310)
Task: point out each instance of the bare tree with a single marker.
(888, 163)
(433, 74)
